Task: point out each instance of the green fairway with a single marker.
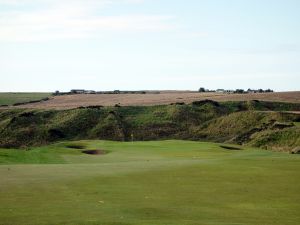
(20, 97)
(148, 183)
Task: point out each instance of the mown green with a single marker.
(148, 183)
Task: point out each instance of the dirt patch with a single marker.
(230, 147)
(281, 126)
(75, 146)
(296, 150)
(94, 152)
(178, 103)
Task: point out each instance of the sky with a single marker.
(48, 45)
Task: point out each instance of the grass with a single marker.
(143, 183)
(12, 98)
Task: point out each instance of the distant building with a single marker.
(251, 91)
(225, 91)
(77, 91)
(259, 91)
(90, 92)
(220, 90)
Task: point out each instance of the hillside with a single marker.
(152, 98)
(255, 123)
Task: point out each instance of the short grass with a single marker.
(148, 183)
(20, 97)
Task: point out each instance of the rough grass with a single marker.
(277, 139)
(149, 183)
(229, 126)
(12, 98)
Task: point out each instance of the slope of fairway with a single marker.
(143, 183)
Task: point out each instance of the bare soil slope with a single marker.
(163, 98)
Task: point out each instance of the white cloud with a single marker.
(72, 20)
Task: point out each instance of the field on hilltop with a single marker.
(10, 98)
(163, 98)
(143, 183)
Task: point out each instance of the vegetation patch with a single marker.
(206, 101)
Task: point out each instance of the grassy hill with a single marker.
(261, 124)
(143, 183)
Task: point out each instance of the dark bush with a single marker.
(203, 102)
(56, 134)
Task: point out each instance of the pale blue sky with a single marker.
(48, 45)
